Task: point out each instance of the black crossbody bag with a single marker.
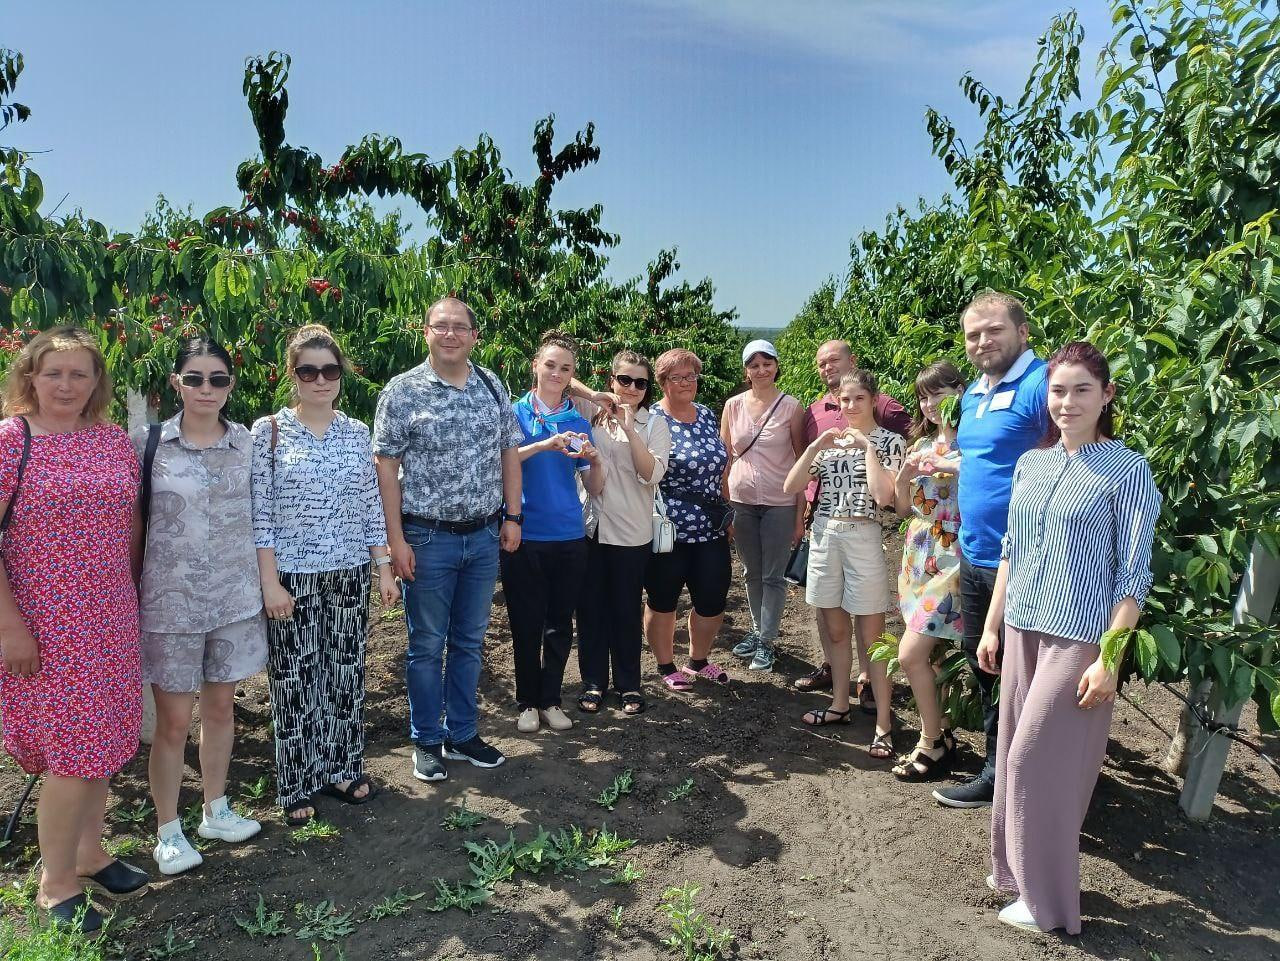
(17, 484)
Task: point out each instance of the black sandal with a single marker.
(934, 767)
(632, 703)
(589, 700)
(950, 743)
(881, 746)
(348, 794)
(820, 717)
(296, 820)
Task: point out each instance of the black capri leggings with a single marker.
(704, 568)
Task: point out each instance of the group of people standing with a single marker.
(197, 551)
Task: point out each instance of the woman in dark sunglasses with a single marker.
(201, 609)
(634, 446)
(317, 521)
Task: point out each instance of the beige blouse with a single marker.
(622, 513)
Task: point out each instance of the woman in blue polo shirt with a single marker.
(541, 580)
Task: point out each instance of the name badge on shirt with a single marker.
(1002, 400)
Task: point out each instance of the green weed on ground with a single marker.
(622, 784)
(692, 935)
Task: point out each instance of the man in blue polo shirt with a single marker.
(1003, 414)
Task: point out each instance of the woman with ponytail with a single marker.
(542, 579)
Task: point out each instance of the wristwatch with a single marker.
(516, 518)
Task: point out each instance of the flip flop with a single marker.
(296, 820)
(710, 671)
(348, 794)
(677, 681)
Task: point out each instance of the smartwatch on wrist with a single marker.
(516, 518)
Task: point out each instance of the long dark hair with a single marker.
(938, 376)
(1091, 359)
(201, 346)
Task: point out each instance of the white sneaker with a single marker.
(1018, 915)
(991, 883)
(557, 719)
(225, 825)
(174, 854)
(527, 722)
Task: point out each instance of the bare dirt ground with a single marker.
(804, 847)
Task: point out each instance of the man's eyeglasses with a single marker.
(442, 330)
(683, 378)
(626, 380)
(307, 373)
(219, 381)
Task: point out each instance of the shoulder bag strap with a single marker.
(488, 383)
(763, 424)
(148, 463)
(22, 466)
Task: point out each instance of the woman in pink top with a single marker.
(763, 430)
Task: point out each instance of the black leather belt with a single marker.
(451, 527)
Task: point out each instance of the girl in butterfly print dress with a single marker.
(929, 579)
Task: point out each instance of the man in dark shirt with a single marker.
(835, 359)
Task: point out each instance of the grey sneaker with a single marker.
(764, 658)
(747, 646)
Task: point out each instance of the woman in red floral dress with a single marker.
(70, 688)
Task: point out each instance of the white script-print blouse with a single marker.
(315, 499)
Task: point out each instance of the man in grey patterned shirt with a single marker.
(445, 439)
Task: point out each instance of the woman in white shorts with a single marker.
(201, 606)
(848, 579)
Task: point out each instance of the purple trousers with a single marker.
(1048, 757)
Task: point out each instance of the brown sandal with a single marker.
(819, 680)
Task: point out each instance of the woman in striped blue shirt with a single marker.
(1076, 561)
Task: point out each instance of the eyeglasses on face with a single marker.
(219, 381)
(307, 373)
(626, 380)
(443, 330)
(683, 378)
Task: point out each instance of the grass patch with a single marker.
(323, 921)
(314, 830)
(42, 942)
(462, 819)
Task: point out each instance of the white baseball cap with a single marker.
(758, 347)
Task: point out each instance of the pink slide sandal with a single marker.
(710, 672)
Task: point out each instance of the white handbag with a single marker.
(664, 532)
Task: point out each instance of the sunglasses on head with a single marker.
(215, 380)
(626, 380)
(307, 373)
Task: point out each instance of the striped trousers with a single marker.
(315, 666)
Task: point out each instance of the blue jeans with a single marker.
(446, 608)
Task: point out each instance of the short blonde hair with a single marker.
(671, 359)
(20, 392)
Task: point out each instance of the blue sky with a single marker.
(757, 136)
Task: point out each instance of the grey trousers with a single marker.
(1050, 753)
(763, 538)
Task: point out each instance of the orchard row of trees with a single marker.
(1144, 222)
(303, 244)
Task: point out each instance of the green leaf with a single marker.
(1113, 644)
(1148, 655)
(1275, 708)
(1220, 657)
(1167, 644)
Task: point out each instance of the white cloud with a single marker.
(859, 31)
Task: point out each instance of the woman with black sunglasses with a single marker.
(634, 446)
(318, 523)
(200, 605)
